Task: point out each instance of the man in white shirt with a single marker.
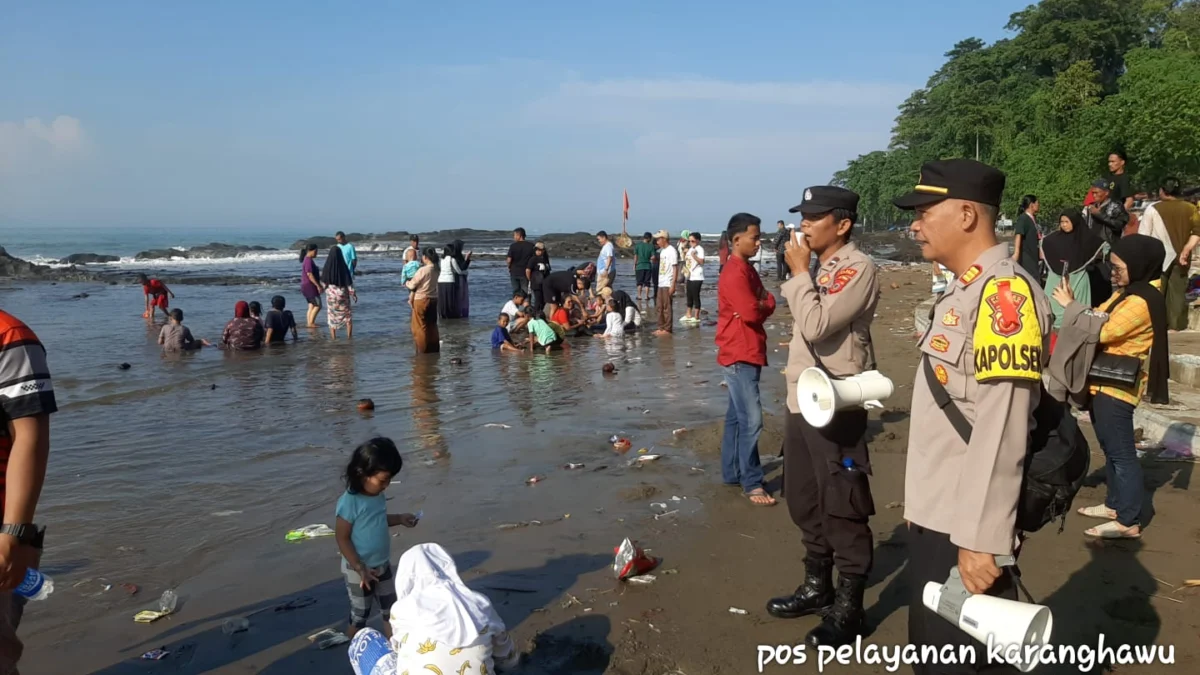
(606, 268)
(694, 266)
(668, 266)
(514, 308)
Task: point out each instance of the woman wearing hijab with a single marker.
(463, 289)
(438, 624)
(339, 292)
(243, 332)
(1072, 252)
(424, 303)
(447, 281)
(1136, 326)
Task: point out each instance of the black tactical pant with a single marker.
(930, 556)
(829, 503)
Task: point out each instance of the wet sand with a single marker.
(553, 584)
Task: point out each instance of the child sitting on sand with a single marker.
(500, 338)
(362, 531)
(175, 337)
(614, 322)
(156, 293)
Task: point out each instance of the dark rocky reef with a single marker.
(88, 259)
(213, 250)
(15, 268)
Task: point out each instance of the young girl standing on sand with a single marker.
(362, 531)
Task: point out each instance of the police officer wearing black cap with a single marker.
(982, 358)
(826, 469)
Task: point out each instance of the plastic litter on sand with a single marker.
(736, 610)
(328, 638)
(309, 532)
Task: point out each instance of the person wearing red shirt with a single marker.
(743, 305)
(156, 293)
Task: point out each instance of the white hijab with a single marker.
(432, 601)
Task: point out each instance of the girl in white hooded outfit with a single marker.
(438, 624)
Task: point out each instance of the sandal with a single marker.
(1098, 511)
(761, 495)
(1113, 530)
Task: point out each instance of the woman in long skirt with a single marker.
(339, 292)
(463, 295)
(424, 302)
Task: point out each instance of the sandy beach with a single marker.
(547, 564)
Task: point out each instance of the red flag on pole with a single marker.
(626, 209)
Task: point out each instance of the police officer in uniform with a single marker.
(826, 470)
(986, 347)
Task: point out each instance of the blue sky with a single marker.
(417, 116)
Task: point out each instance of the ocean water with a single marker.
(161, 471)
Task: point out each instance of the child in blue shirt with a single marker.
(500, 338)
(362, 531)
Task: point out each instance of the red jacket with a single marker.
(740, 315)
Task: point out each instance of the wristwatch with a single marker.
(27, 535)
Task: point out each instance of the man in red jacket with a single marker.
(743, 305)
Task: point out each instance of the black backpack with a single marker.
(1057, 459)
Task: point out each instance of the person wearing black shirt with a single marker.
(536, 271)
(1118, 182)
(558, 285)
(279, 322)
(519, 254)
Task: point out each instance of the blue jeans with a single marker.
(1113, 421)
(743, 425)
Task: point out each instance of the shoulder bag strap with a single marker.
(942, 398)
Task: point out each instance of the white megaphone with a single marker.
(1008, 623)
(819, 396)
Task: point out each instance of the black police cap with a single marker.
(820, 199)
(964, 179)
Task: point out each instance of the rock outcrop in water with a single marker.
(560, 245)
(15, 268)
(208, 251)
(88, 259)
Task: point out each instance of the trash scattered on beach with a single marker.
(166, 606)
(511, 526)
(642, 451)
(130, 589)
(736, 610)
(225, 514)
(494, 425)
(631, 561)
(365, 404)
(156, 654)
(689, 364)
(622, 445)
(723, 383)
(124, 366)
(328, 638)
(236, 625)
(894, 505)
(646, 411)
(658, 505)
(309, 532)
(664, 515)
(534, 479)
(678, 431)
(642, 459)
(573, 465)
(643, 579)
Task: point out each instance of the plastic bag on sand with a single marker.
(631, 561)
(310, 532)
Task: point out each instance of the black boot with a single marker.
(844, 622)
(815, 595)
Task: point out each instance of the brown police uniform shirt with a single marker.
(988, 342)
(833, 313)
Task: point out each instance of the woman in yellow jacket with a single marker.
(1136, 326)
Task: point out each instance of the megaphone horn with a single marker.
(1007, 623)
(819, 396)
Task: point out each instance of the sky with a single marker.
(418, 116)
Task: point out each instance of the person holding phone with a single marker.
(826, 471)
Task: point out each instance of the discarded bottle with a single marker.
(168, 602)
(237, 625)
(36, 586)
